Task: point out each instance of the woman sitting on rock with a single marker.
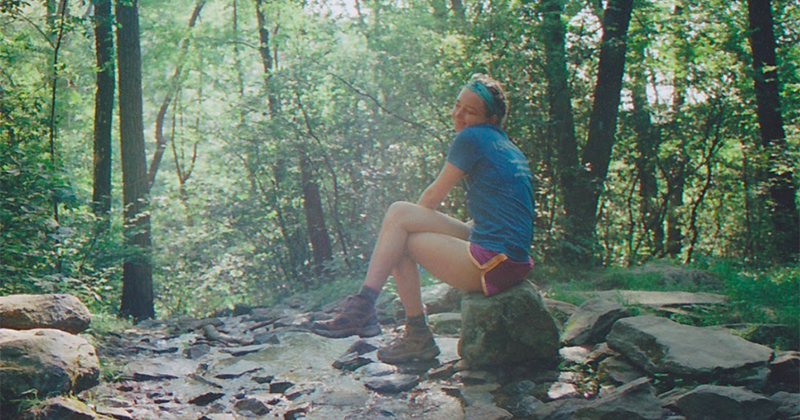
(489, 254)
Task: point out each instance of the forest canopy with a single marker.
(188, 155)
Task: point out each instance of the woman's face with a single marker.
(470, 110)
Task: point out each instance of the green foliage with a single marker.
(365, 98)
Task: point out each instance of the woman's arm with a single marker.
(437, 191)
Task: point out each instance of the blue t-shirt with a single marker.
(499, 192)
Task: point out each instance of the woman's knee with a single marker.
(398, 212)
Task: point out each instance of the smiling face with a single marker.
(470, 110)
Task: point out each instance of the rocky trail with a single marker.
(262, 363)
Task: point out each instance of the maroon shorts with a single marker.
(498, 273)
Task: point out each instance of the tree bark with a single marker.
(561, 124)
(315, 218)
(266, 56)
(137, 280)
(103, 110)
(647, 143)
(779, 177)
(581, 201)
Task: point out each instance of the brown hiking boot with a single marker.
(354, 316)
(415, 344)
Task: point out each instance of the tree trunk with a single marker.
(315, 218)
(174, 85)
(582, 200)
(779, 177)
(137, 281)
(103, 110)
(561, 125)
(457, 6)
(59, 37)
(647, 142)
(266, 56)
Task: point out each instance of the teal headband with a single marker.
(482, 91)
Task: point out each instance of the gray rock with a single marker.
(562, 390)
(634, 401)
(714, 402)
(509, 327)
(563, 409)
(785, 369)
(445, 323)
(486, 411)
(114, 413)
(350, 362)
(441, 298)
(660, 346)
(660, 299)
(560, 310)
(238, 369)
(592, 322)
(392, 384)
(618, 371)
(376, 369)
(788, 403)
(159, 368)
(58, 311)
(49, 361)
(478, 403)
(256, 405)
(523, 405)
(576, 355)
(60, 408)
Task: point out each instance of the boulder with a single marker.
(661, 346)
(509, 327)
(592, 322)
(48, 361)
(58, 311)
(714, 402)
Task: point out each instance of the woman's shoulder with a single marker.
(482, 132)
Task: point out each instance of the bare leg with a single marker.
(401, 220)
(406, 277)
(410, 234)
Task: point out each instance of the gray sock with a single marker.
(369, 294)
(417, 321)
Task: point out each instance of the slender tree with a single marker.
(63, 8)
(266, 56)
(103, 109)
(779, 177)
(137, 280)
(174, 86)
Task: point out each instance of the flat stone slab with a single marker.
(592, 322)
(660, 299)
(725, 402)
(659, 345)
